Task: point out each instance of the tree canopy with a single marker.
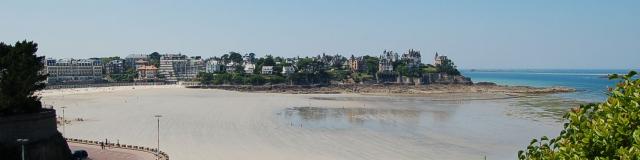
(448, 67)
(608, 130)
(20, 78)
(154, 59)
(235, 57)
(371, 64)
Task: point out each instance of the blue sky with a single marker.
(583, 34)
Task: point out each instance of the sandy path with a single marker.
(214, 124)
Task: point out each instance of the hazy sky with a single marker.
(475, 34)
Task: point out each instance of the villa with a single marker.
(412, 58)
(249, 68)
(286, 70)
(356, 64)
(267, 70)
(437, 60)
(147, 73)
(213, 66)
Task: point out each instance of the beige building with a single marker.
(147, 73)
(437, 60)
(73, 70)
(356, 64)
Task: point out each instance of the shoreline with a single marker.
(67, 91)
(394, 89)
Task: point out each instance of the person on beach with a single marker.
(102, 145)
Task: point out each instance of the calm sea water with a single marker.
(591, 84)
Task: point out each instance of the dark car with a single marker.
(80, 154)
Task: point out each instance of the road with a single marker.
(96, 153)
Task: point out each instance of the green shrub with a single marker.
(609, 130)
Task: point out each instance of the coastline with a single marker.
(394, 89)
(67, 91)
(479, 91)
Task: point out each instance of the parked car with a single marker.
(80, 154)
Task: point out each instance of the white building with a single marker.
(288, 70)
(213, 66)
(249, 68)
(386, 61)
(175, 67)
(73, 71)
(230, 67)
(267, 70)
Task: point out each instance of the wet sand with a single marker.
(217, 124)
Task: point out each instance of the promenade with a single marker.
(96, 153)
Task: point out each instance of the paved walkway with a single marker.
(96, 153)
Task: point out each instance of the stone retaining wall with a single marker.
(34, 126)
(163, 155)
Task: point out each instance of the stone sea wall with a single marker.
(45, 142)
(35, 126)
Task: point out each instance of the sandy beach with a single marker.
(219, 124)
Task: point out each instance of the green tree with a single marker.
(254, 80)
(608, 130)
(205, 78)
(339, 75)
(20, 78)
(448, 67)
(252, 57)
(105, 60)
(235, 57)
(154, 59)
(276, 79)
(269, 61)
(237, 78)
(371, 64)
(225, 58)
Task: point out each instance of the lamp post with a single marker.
(158, 147)
(22, 142)
(64, 122)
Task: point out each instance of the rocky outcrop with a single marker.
(45, 142)
(442, 78)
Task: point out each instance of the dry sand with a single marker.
(217, 124)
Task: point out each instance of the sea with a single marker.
(591, 84)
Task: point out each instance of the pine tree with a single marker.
(20, 78)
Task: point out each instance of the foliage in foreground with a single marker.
(20, 78)
(608, 130)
